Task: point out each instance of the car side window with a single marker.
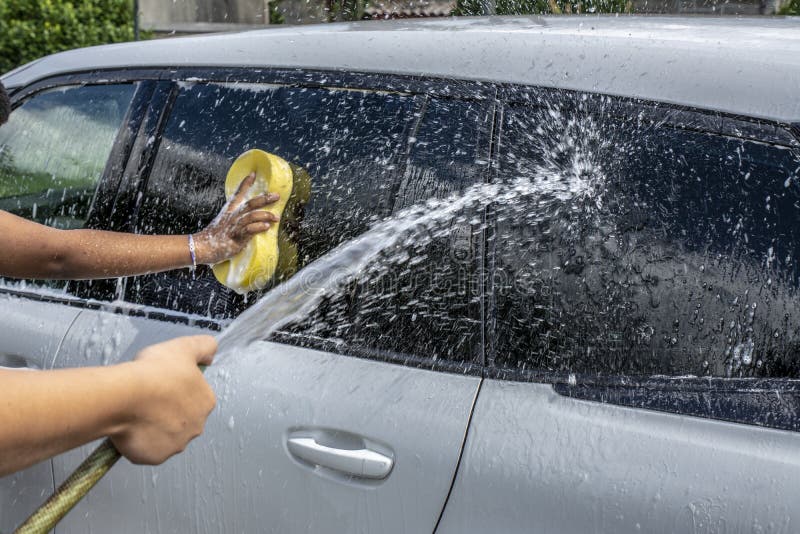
(369, 154)
(54, 148)
(350, 142)
(642, 249)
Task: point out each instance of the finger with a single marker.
(257, 216)
(244, 187)
(256, 228)
(260, 201)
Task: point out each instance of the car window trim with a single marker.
(679, 116)
(431, 85)
(116, 307)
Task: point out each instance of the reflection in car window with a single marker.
(350, 142)
(53, 151)
(644, 249)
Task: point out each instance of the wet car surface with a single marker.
(606, 341)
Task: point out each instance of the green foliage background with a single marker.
(30, 29)
(792, 8)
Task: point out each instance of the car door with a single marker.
(51, 176)
(375, 374)
(645, 354)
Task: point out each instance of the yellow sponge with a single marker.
(272, 253)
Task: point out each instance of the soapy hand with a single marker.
(237, 222)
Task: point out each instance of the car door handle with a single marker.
(364, 463)
(15, 361)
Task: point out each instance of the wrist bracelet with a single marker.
(192, 252)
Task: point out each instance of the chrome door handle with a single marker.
(15, 361)
(364, 463)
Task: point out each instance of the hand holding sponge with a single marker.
(271, 254)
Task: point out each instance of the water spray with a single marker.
(293, 300)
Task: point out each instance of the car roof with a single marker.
(746, 66)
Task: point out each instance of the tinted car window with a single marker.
(350, 142)
(53, 151)
(369, 155)
(639, 248)
(422, 297)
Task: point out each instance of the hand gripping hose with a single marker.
(73, 489)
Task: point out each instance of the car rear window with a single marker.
(643, 248)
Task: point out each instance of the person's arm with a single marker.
(32, 250)
(151, 407)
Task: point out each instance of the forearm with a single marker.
(44, 413)
(31, 250)
(89, 254)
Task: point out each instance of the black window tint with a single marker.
(350, 142)
(643, 249)
(422, 297)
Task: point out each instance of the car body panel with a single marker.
(32, 331)
(535, 461)
(742, 66)
(240, 476)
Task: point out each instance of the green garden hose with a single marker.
(72, 490)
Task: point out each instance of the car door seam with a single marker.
(460, 455)
(63, 338)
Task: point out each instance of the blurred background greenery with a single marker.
(791, 8)
(33, 28)
(30, 29)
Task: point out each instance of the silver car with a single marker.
(607, 341)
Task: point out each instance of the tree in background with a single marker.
(30, 29)
(275, 15)
(792, 8)
(541, 7)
